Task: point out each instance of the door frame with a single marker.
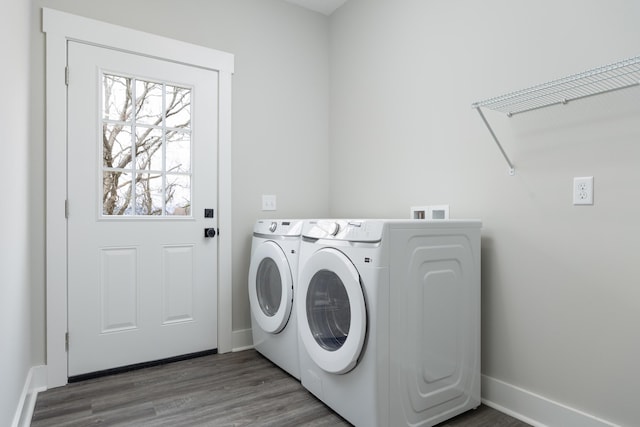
(61, 27)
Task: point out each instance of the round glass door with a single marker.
(328, 310)
(332, 311)
(270, 287)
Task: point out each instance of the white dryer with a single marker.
(272, 286)
(389, 318)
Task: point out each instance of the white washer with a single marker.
(389, 318)
(272, 286)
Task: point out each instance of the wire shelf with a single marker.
(608, 78)
(619, 75)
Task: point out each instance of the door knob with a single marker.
(209, 232)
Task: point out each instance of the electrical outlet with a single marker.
(268, 202)
(583, 190)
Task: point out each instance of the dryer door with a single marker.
(270, 287)
(331, 309)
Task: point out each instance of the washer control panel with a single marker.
(278, 227)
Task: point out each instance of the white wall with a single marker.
(15, 303)
(280, 107)
(561, 301)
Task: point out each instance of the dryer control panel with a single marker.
(369, 231)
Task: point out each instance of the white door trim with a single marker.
(61, 27)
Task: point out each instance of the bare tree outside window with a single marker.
(146, 147)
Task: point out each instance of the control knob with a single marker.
(334, 229)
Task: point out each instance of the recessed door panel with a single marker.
(119, 289)
(177, 284)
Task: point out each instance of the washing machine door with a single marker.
(270, 287)
(331, 311)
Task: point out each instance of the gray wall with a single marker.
(15, 282)
(561, 301)
(280, 109)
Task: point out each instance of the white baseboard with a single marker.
(242, 340)
(534, 409)
(35, 382)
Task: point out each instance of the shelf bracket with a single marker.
(512, 170)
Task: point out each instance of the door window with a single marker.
(146, 147)
(328, 310)
(269, 286)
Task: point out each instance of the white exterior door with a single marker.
(142, 180)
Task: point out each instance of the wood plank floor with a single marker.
(233, 389)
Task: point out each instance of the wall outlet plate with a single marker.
(439, 212)
(583, 190)
(268, 202)
(429, 212)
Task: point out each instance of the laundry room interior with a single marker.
(366, 111)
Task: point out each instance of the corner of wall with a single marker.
(35, 382)
(242, 340)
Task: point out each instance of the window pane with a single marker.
(149, 102)
(146, 147)
(178, 196)
(149, 148)
(116, 191)
(178, 152)
(116, 146)
(116, 95)
(148, 194)
(178, 107)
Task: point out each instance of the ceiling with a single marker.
(326, 7)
